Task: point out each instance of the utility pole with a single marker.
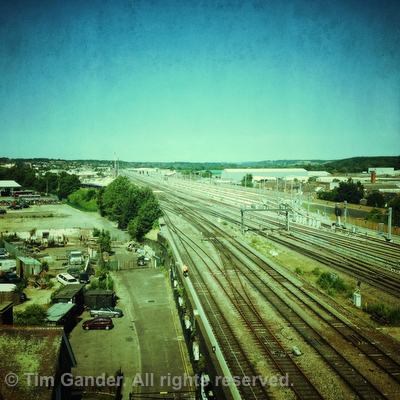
(345, 214)
(277, 190)
(235, 192)
(301, 198)
(285, 188)
(291, 193)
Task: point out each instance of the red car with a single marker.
(98, 323)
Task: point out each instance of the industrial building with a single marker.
(261, 174)
(7, 188)
(382, 171)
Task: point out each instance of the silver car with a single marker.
(106, 312)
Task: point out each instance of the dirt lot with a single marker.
(57, 216)
(57, 219)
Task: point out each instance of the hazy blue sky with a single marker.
(199, 80)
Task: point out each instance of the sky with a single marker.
(199, 80)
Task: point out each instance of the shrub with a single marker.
(327, 282)
(33, 315)
(316, 271)
(299, 271)
(96, 232)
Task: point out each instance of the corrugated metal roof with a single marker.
(9, 184)
(58, 310)
(257, 170)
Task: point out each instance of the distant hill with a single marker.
(279, 163)
(347, 165)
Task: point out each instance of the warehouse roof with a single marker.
(9, 184)
(250, 170)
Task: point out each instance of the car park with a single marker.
(106, 312)
(66, 279)
(84, 278)
(74, 272)
(98, 323)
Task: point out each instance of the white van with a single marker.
(66, 279)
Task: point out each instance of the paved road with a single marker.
(146, 343)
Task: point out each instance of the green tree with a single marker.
(45, 266)
(247, 180)
(67, 185)
(375, 199)
(206, 174)
(350, 192)
(325, 195)
(375, 215)
(114, 200)
(34, 314)
(395, 205)
(104, 241)
(143, 223)
(347, 191)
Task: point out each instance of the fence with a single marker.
(111, 265)
(376, 226)
(361, 222)
(13, 250)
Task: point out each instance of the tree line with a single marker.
(134, 208)
(61, 184)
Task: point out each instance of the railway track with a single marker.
(238, 363)
(357, 381)
(269, 345)
(355, 265)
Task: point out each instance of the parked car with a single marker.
(84, 278)
(74, 272)
(15, 207)
(106, 312)
(3, 211)
(66, 279)
(13, 278)
(98, 323)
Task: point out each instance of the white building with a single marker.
(382, 171)
(265, 174)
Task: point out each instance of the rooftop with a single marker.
(30, 350)
(9, 184)
(58, 310)
(69, 291)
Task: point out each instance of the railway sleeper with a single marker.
(356, 339)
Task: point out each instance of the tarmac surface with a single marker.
(146, 343)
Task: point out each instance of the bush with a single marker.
(391, 313)
(33, 315)
(94, 285)
(96, 232)
(299, 271)
(327, 282)
(316, 271)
